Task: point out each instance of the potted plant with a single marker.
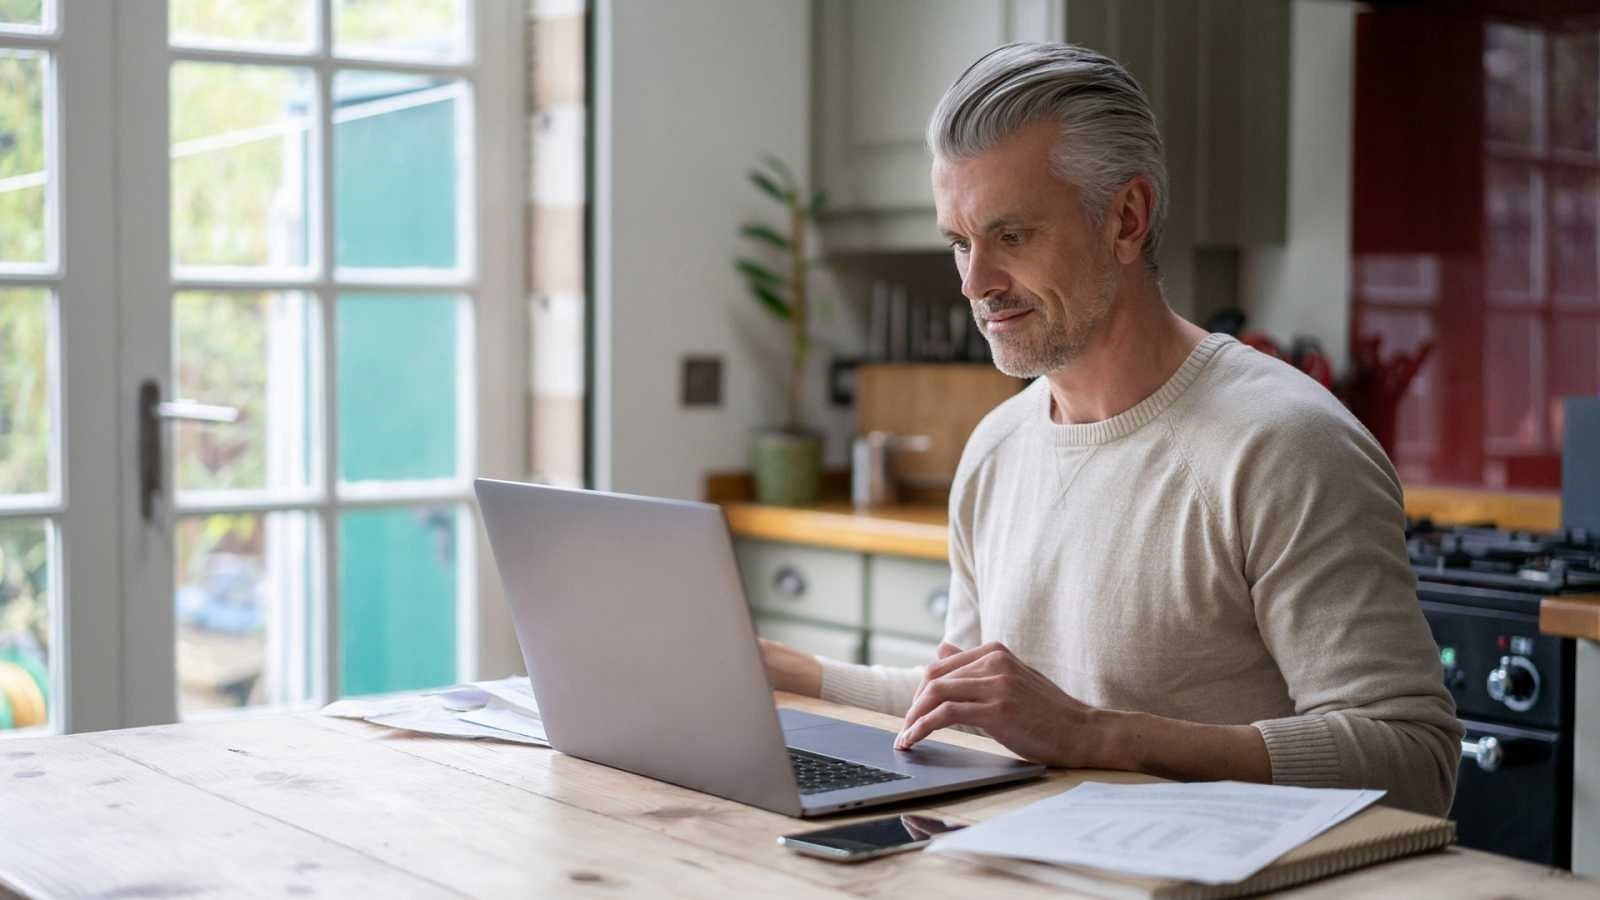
(786, 459)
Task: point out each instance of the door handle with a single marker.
(1486, 751)
(152, 412)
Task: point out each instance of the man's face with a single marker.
(1040, 276)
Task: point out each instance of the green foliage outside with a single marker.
(21, 12)
(24, 578)
(22, 237)
(220, 350)
(24, 391)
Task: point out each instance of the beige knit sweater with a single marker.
(1230, 550)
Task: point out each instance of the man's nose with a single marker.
(982, 278)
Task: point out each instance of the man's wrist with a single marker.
(1116, 740)
(802, 674)
(1172, 748)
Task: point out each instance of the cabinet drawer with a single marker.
(909, 596)
(835, 643)
(804, 582)
(888, 650)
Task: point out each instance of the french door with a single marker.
(282, 331)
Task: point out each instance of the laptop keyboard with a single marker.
(816, 773)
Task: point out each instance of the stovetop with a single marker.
(1542, 563)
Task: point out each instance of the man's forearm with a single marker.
(1186, 751)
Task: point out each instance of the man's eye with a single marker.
(958, 246)
(1011, 237)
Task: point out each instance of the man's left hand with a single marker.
(989, 688)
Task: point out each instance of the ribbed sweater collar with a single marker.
(1137, 416)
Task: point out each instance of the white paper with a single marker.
(504, 709)
(506, 719)
(1213, 832)
(436, 720)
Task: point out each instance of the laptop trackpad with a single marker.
(875, 746)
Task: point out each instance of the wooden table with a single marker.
(311, 806)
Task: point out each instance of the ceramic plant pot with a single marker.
(787, 466)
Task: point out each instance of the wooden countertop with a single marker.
(1574, 617)
(306, 805)
(920, 531)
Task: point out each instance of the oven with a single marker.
(1513, 689)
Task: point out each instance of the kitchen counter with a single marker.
(921, 531)
(917, 531)
(1572, 616)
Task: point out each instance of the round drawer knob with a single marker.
(937, 604)
(788, 582)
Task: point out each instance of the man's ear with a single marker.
(1131, 209)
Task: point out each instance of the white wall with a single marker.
(1303, 287)
(688, 95)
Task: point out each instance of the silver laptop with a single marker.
(635, 630)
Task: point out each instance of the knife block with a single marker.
(944, 401)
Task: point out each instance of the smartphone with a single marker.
(869, 839)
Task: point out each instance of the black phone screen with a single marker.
(877, 834)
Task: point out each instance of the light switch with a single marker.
(702, 381)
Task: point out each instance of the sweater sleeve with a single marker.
(1321, 529)
(890, 689)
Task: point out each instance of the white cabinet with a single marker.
(845, 605)
(908, 596)
(820, 640)
(888, 650)
(1217, 72)
(880, 66)
(801, 582)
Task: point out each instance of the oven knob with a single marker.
(1515, 682)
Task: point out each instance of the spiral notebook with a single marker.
(1374, 835)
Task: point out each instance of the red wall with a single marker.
(1474, 227)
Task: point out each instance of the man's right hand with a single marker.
(791, 670)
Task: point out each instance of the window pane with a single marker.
(23, 235)
(397, 386)
(397, 598)
(25, 585)
(22, 12)
(1513, 349)
(240, 156)
(1575, 232)
(430, 30)
(279, 24)
(25, 391)
(244, 606)
(1575, 91)
(395, 170)
(1515, 259)
(251, 351)
(1513, 68)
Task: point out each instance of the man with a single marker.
(1170, 553)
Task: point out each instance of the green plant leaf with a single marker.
(770, 299)
(764, 182)
(756, 272)
(785, 176)
(766, 234)
(818, 201)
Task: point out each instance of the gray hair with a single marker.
(1108, 130)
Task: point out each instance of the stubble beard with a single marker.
(1036, 350)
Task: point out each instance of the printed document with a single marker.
(1212, 832)
(504, 710)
